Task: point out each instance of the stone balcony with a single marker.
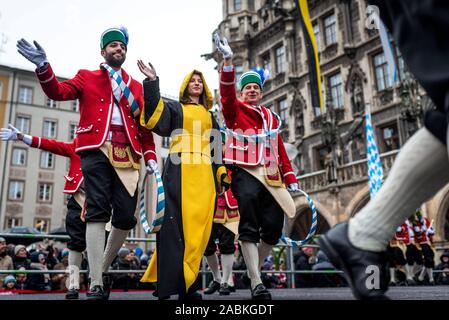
(351, 173)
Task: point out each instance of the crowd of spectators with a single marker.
(46, 256)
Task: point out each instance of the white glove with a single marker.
(293, 187)
(10, 133)
(223, 46)
(399, 229)
(35, 54)
(151, 166)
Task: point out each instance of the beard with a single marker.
(114, 62)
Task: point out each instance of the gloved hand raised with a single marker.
(151, 166)
(10, 133)
(35, 54)
(223, 46)
(293, 187)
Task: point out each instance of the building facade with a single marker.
(32, 180)
(331, 145)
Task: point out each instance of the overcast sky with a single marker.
(170, 34)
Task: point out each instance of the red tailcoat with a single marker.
(424, 235)
(404, 234)
(94, 91)
(249, 120)
(74, 177)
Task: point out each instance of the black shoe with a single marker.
(96, 293)
(72, 294)
(194, 296)
(224, 290)
(356, 263)
(410, 282)
(213, 287)
(260, 293)
(392, 284)
(107, 284)
(232, 288)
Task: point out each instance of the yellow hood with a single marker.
(206, 91)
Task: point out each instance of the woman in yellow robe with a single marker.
(192, 176)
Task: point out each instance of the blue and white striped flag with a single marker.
(375, 171)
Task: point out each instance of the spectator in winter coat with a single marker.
(21, 257)
(125, 261)
(9, 282)
(21, 280)
(38, 281)
(5, 260)
(443, 278)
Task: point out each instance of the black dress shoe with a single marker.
(232, 288)
(96, 293)
(410, 282)
(359, 266)
(213, 287)
(107, 285)
(224, 290)
(72, 294)
(260, 293)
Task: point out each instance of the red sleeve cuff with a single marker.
(45, 75)
(227, 77)
(289, 179)
(149, 155)
(35, 142)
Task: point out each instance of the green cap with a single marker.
(250, 77)
(112, 34)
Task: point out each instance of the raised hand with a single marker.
(10, 133)
(35, 54)
(148, 71)
(223, 46)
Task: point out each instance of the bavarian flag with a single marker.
(312, 54)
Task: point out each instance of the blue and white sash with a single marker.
(158, 217)
(125, 90)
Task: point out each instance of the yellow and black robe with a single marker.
(191, 178)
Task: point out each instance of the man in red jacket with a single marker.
(75, 225)
(424, 232)
(110, 144)
(260, 167)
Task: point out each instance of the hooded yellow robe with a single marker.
(191, 179)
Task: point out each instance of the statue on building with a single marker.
(357, 97)
(331, 168)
